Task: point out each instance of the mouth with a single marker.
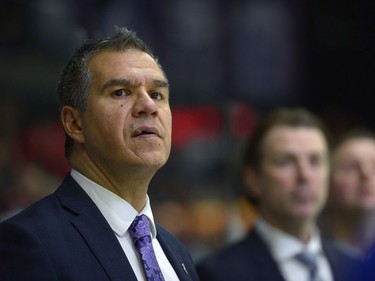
(304, 195)
(146, 131)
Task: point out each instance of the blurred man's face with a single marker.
(353, 175)
(293, 175)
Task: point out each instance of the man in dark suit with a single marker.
(285, 172)
(117, 119)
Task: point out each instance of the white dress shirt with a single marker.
(285, 247)
(120, 215)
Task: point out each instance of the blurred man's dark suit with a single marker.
(251, 260)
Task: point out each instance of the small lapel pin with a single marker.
(184, 268)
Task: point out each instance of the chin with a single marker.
(305, 214)
(157, 162)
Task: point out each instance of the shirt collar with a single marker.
(117, 211)
(284, 246)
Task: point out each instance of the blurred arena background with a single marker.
(228, 62)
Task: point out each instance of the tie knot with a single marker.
(307, 259)
(139, 228)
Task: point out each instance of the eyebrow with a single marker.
(130, 83)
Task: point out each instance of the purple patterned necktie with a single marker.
(140, 233)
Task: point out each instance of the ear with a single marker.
(251, 181)
(72, 123)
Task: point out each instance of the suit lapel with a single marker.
(174, 256)
(331, 257)
(342, 266)
(265, 263)
(95, 231)
(105, 247)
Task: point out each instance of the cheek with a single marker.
(344, 184)
(274, 187)
(343, 191)
(166, 119)
(106, 123)
(282, 179)
(324, 180)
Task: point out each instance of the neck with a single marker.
(129, 183)
(344, 224)
(302, 230)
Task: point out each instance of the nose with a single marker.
(303, 171)
(144, 105)
(366, 171)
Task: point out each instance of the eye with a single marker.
(317, 160)
(121, 93)
(285, 161)
(347, 166)
(156, 96)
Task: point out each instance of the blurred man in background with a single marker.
(349, 217)
(286, 173)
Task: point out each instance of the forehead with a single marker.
(130, 64)
(295, 139)
(362, 147)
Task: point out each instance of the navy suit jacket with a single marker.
(65, 237)
(250, 259)
(368, 267)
